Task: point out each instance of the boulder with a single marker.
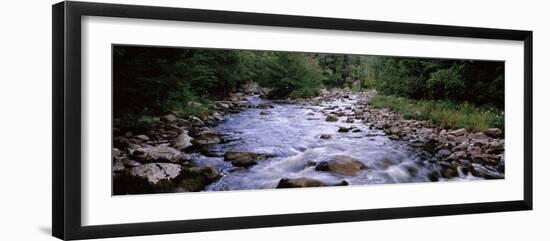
(243, 158)
(210, 172)
(496, 147)
(142, 137)
(484, 172)
(430, 144)
(493, 132)
(154, 172)
(457, 132)
(343, 129)
(183, 141)
(195, 121)
(222, 105)
(331, 118)
(343, 165)
(130, 163)
(460, 154)
(444, 152)
(305, 182)
(264, 106)
(160, 153)
(395, 130)
(216, 116)
(207, 137)
(480, 136)
(299, 182)
(325, 136)
(461, 147)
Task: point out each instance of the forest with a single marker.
(150, 81)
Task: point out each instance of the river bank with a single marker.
(333, 139)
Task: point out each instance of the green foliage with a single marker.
(444, 113)
(138, 122)
(292, 75)
(445, 83)
(478, 82)
(150, 81)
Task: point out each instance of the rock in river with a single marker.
(343, 129)
(242, 158)
(210, 172)
(305, 182)
(264, 106)
(183, 141)
(331, 118)
(343, 165)
(154, 172)
(208, 137)
(325, 136)
(160, 153)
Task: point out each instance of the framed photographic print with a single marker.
(170, 120)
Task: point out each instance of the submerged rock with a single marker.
(264, 106)
(305, 182)
(243, 159)
(343, 165)
(484, 172)
(325, 136)
(207, 137)
(343, 129)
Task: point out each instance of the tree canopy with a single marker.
(154, 80)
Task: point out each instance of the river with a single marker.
(290, 136)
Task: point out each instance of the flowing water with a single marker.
(289, 136)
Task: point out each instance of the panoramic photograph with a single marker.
(202, 120)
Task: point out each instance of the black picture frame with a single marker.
(66, 47)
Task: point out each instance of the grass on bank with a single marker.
(444, 113)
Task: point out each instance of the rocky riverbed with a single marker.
(331, 140)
